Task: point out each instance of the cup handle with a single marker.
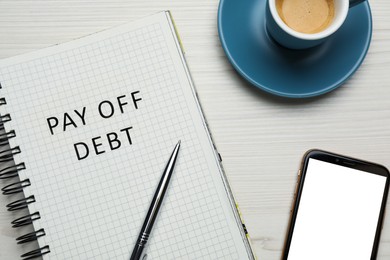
(352, 3)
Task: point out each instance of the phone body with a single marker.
(338, 210)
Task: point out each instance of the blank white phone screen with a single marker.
(338, 213)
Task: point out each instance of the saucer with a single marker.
(291, 73)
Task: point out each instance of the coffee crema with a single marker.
(306, 16)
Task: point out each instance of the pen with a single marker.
(154, 206)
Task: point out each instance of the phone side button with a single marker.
(383, 220)
(292, 208)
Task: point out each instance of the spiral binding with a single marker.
(21, 204)
(10, 172)
(36, 253)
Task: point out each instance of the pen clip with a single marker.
(144, 257)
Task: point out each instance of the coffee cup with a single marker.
(301, 24)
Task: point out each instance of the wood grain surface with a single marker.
(260, 137)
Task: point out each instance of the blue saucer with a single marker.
(284, 72)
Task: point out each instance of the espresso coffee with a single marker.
(306, 16)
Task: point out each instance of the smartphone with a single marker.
(338, 209)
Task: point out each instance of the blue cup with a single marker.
(292, 39)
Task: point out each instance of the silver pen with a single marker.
(154, 207)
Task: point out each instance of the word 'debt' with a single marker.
(105, 109)
(113, 139)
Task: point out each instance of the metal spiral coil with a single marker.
(10, 172)
(5, 118)
(25, 220)
(16, 187)
(21, 204)
(6, 136)
(7, 155)
(36, 253)
(31, 236)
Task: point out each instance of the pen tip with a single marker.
(179, 142)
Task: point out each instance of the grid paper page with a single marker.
(93, 208)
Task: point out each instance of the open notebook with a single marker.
(95, 121)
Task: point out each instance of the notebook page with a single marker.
(126, 84)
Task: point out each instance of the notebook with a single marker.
(91, 124)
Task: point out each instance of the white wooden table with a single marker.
(261, 138)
